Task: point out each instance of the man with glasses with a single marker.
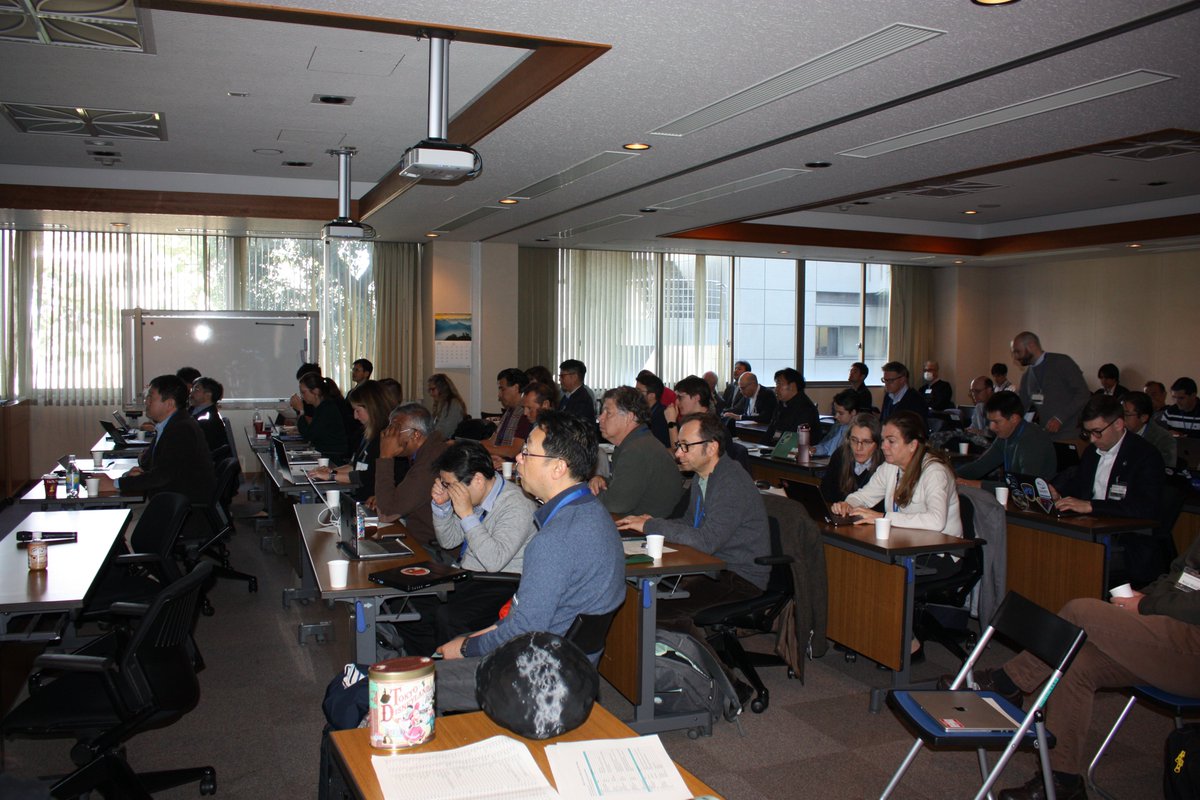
(1118, 475)
(1138, 409)
(1052, 384)
(898, 395)
(651, 388)
(644, 479)
(725, 517)
(794, 408)
(410, 436)
(576, 398)
(1020, 447)
(486, 521)
(1182, 418)
(573, 565)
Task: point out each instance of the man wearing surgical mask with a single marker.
(938, 394)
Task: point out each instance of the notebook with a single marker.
(810, 497)
(965, 712)
(415, 577)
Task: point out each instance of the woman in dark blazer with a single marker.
(325, 429)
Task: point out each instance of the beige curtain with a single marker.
(398, 329)
(16, 248)
(537, 307)
(910, 334)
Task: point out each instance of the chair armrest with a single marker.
(497, 577)
(138, 558)
(770, 561)
(129, 609)
(72, 662)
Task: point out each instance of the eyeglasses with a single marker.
(860, 442)
(526, 454)
(446, 486)
(886, 379)
(1088, 433)
(685, 446)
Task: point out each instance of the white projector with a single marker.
(434, 163)
(347, 229)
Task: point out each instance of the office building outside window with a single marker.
(764, 308)
(846, 311)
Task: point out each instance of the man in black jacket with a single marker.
(898, 395)
(577, 399)
(794, 408)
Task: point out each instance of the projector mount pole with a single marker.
(439, 86)
(344, 154)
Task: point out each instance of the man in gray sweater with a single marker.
(644, 479)
(574, 564)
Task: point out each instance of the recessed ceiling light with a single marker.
(98, 142)
(993, 2)
(432, 235)
(238, 94)
(509, 201)
(783, 252)
(636, 146)
(119, 224)
(818, 164)
(332, 100)
(648, 210)
(267, 151)
(862, 202)
(543, 239)
(959, 261)
(970, 211)
(297, 163)
(1158, 183)
(1133, 246)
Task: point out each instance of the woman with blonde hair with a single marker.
(448, 406)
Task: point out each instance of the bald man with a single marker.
(1053, 385)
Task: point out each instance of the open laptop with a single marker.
(296, 462)
(1031, 493)
(348, 541)
(122, 422)
(965, 712)
(809, 496)
(121, 439)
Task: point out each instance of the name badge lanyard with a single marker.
(698, 516)
(572, 497)
(462, 553)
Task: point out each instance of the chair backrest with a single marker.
(161, 523)
(589, 631)
(1043, 633)
(233, 451)
(228, 471)
(780, 580)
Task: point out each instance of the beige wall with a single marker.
(1139, 312)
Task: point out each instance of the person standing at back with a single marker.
(1052, 384)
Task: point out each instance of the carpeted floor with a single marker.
(259, 720)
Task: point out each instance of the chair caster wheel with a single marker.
(851, 657)
(693, 733)
(791, 674)
(206, 608)
(253, 585)
(208, 783)
(304, 601)
(81, 755)
(759, 704)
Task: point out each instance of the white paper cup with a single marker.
(1002, 495)
(322, 462)
(654, 545)
(963, 448)
(97, 459)
(339, 573)
(506, 470)
(883, 528)
(1124, 590)
(93, 487)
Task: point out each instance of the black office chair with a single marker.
(757, 614)
(219, 523)
(589, 631)
(119, 686)
(940, 606)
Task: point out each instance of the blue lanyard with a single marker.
(579, 492)
(1015, 438)
(462, 552)
(698, 516)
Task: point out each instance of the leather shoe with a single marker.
(986, 680)
(1035, 789)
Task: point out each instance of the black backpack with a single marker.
(688, 680)
(1181, 772)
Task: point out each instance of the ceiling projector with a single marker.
(436, 160)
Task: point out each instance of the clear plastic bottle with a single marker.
(73, 477)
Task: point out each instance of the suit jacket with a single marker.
(793, 413)
(938, 395)
(1139, 468)
(865, 401)
(178, 461)
(764, 406)
(729, 397)
(911, 401)
(410, 497)
(214, 428)
(581, 403)
(1064, 392)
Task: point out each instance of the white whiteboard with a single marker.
(253, 354)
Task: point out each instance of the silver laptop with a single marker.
(348, 541)
(965, 712)
(296, 462)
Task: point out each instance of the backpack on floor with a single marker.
(688, 680)
(1181, 771)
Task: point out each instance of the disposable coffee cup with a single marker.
(963, 448)
(883, 528)
(654, 545)
(1124, 590)
(339, 573)
(93, 487)
(97, 459)
(1002, 495)
(506, 469)
(333, 501)
(322, 462)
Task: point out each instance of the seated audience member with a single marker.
(667, 398)
(1151, 638)
(1137, 410)
(1110, 381)
(898, 395)
(694, 396)
(858, 383)
(938, 394)
(651, 389)
(1158, 399)
(793, 407)
(1118, 475)
(513, 427)
(576, 398)
(855, 461)
(361, 370)
(297, 402)
(186, 374)
(539, 374)
(644, 479)
(759, 403)
(205, 398)
(712, 380)
(976, 432)
(371, 408)
(725, 517)
(448, 406)
(573, 565)
(536, 398)
(845, 407)
(1182, 418)
(410, 437)
(1052, 384)
(179, 460)
(731, 397)
(1020, 447)
(1000, 382)
(393, 390)
(325, 429)
(487, 521)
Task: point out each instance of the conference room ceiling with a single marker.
(1069, 127)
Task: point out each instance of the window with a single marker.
(764, 308)
(846, 308)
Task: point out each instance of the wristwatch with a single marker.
(672, 424)
(462, 648)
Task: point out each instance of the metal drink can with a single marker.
(402, 702)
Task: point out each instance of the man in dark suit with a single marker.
(794, 408)
(1120, 474)
(898, 395)
(205, 395)
(759, 405)
(577, 399)
(179, 459)
(938, 394)
(731, 398)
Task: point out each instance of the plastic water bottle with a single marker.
(360, 521)
(73, 477)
